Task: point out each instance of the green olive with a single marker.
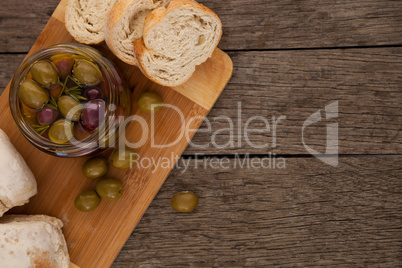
(69, 108)
(61, 131)
(44, 73)
(123, 158)
(87, 201)
(149, 102)
(109, 189)
(87, 73)
(32, 94)
(184, 201)
(95, 168)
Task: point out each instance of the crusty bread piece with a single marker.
(176, 40)
(85, 19)
(125, 24)
(32, 241)
(17, 183)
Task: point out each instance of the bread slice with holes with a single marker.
(85, 19)
(176, 40)
(125, 24)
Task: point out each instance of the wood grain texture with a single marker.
(307, 215)
(366, 82)
(250, 24)
(94, 239)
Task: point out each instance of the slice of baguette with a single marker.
(176, 40)
(85, 19)
(125, 24)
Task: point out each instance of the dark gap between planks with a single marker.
(275, 49)
(242, 156)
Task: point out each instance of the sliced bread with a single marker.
(85, 19)
(175, 40)
(125, 24)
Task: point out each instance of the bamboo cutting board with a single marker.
(94, 239)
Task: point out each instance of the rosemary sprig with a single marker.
(63, 86)
(52, 104)
(40, 129)
(73, 92)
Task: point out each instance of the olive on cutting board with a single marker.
(149, 102)
(95, 168)
(123, 158)
(109, 189)
(184, 201)
(44, 73)
(87, 201)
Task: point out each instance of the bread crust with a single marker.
(139, 50)
(117, 16)
(69, 23)
(155, 17)
(114, 16)
(17, 182)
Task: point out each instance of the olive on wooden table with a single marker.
(184, 201)
(32, 94)
(69, 108)
(44, 73)
(87, 73)
(149, 102)
(95, 168)
(87, 201)
(93, 114)
(64, 65)
(109, 189)
(47, 116)
(61, 131)
(123, 158)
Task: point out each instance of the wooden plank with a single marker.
(8, 64)
(251, 24)
(366, 82)
(307, 215)
(95, 238)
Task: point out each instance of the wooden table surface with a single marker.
(291, 58)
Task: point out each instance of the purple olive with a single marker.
(80, 132)
(93, 114)
(47, 116)
(93, 93)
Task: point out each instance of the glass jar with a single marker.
(117, 104)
